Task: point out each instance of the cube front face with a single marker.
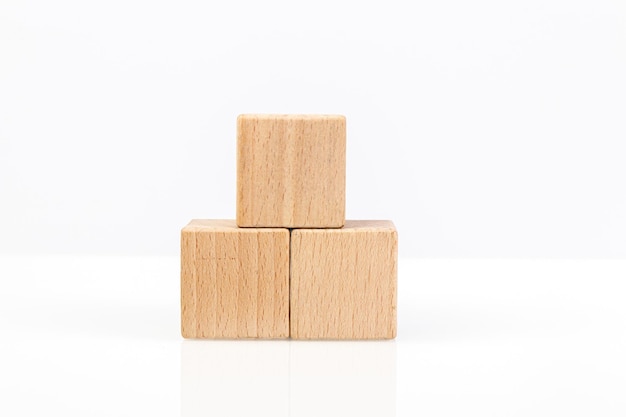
(344, 282)
(291, 171)
(234, 282)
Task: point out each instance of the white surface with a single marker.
(482, 128)
(99, 336)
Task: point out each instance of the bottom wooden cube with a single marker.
(234, 282)
(344, 281)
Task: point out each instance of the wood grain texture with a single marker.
(234, 282)
(291, 171)
(344, 281)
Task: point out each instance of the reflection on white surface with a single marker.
(288, 378)
(237, 378)
(343, 378)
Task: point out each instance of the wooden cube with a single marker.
(343, 281)
(234, 282)
(291, 171)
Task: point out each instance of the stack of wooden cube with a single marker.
(290, 265)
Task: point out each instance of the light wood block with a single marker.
(234, 282)
(344, 281)
(291, 171)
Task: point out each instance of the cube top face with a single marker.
(291, 171)
(234, 282)
(344, 282)
(353, 226)
(262, 116)
(226, 226)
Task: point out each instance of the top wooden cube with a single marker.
(291, 171)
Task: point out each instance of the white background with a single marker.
(99, 336)
(482, 128)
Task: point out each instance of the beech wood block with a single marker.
(291, 171)
(344, 281)
(234, 282)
